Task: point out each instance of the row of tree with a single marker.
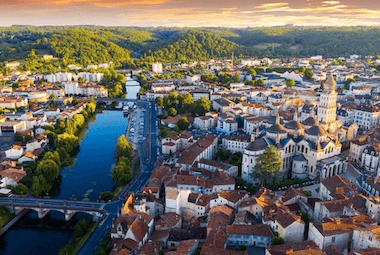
(122, 173)
(64, 143)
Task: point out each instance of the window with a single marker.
(333, 239)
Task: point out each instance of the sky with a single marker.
(191, 13)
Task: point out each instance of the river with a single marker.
(89, 176)
(132, 87)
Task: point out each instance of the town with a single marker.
(254, 156)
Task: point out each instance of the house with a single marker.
(134, 225)
(249, 235)
(170, 121)
(15, 152)
(28, 157)
(338, 232)
(172, 144)
(236, 143)
(204, 122)
(366, 238)
(204, 147)
(335, 186)
(11, 177)
(168, 221)
(212, 165)
(226, 124)
(304, 247)
(256, 204)
(288, 225)
(186, 247)
(222, 104)
(199, 93)
(338, 206)
(230, 198)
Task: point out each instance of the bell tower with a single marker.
(327, 105)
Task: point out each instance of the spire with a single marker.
(257, 131)
(330, 82)
(278, 139)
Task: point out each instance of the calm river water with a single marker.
(90, 175)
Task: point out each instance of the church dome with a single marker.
(316, 130)
(294, 125)
(277, 128)
(311, 121)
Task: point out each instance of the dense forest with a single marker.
(132, 46)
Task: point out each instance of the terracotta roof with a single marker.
(13, 173)
(139, 229)
(216, 239)
(168, 220)
(333, 182)
(291, 192)
(233, 196)
(257, 230)
(184, 247)
(212, 251)
(302, 248)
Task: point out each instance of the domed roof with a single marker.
(277, 128)
(258, 145)
(294, 124)
(316, 130)
(311, 121)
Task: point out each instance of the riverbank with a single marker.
(83, 230)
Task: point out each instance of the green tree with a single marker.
(183, 123)
(260, 83)
(188, 101)
(160, 101)
(290, 83)
(49, 169)
(53, 156)
(172, 112)
(52, 97)
(18, 137)
(277, 240)
(252, 72)
(20, 189)
(202, 106)
(122, 172)
(309, 74)
(268, 166)
(123, 148)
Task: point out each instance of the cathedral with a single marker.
(309, 150)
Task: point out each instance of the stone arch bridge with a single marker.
(44, 206)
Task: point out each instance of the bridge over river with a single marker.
(44, 206)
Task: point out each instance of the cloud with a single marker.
(271, 6)
(330, 2)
